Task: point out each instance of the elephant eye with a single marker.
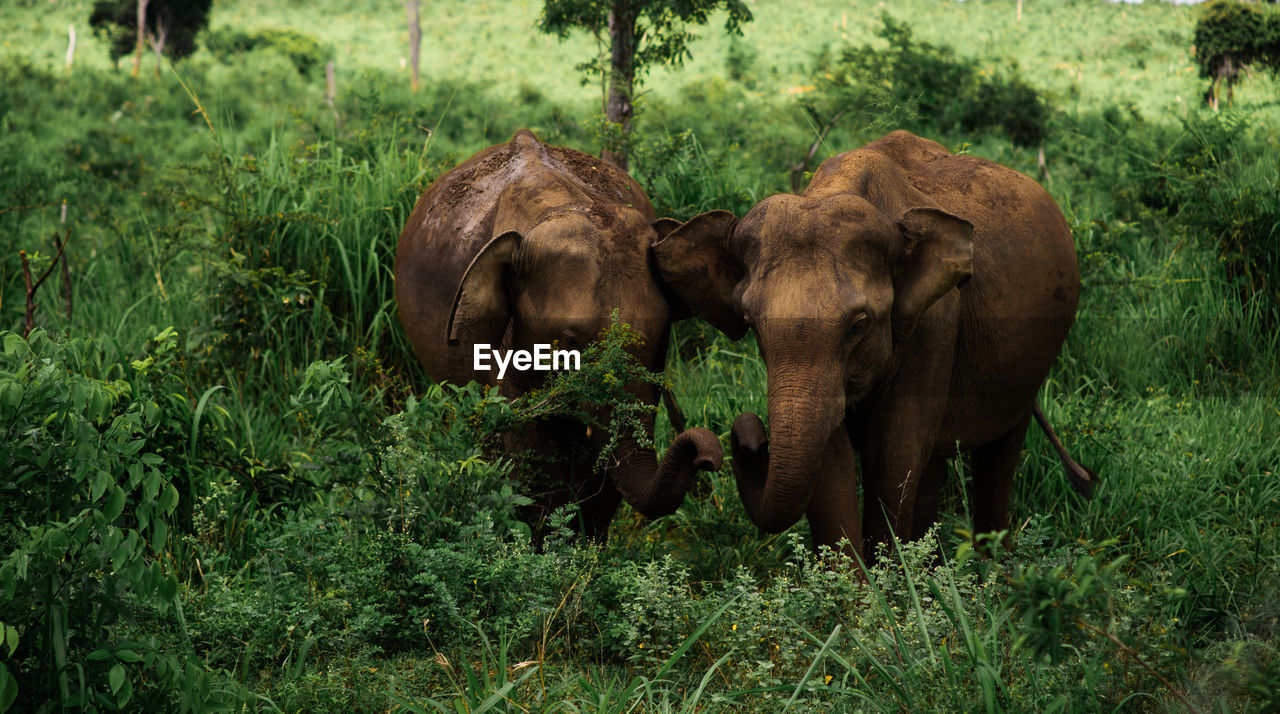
(570, 339)
(857, 327)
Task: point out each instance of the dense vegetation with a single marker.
(1232, 37)
(224, 482)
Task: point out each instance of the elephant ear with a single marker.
(481, 308)
(664, 226)
(938, 257)
(693, 260)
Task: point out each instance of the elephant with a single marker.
(526, 243)
(908, 301)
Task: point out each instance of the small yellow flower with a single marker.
(734, 627)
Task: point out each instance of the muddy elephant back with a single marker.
(607, 182)
(448, 227)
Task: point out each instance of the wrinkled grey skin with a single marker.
(907, 301)
(527, 243)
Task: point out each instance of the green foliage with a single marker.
(1217, 177)
(87, 506)
(1239, 33)
(682, 179)
(306, 53)
(305, 257)
(919, 84)
(1253, 670)
(338, 545)
(642, 34)
(662, 26)
(436, 479)
(173, 23)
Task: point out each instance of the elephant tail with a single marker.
(1082, 478)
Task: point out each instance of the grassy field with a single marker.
(226, 484)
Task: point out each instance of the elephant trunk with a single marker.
(656, 489)
(776, 475)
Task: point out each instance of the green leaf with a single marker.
(151, 485)
(11, 396)
(135, 475)
(169, 588)
(8, 685)
(100, 483)
(199, 413)
(126, 692)
(159, 535)
(168, 499)
(10, 638)
(119, 557)
(99, 655)
(116, 677)
(128, 656)
(115, 504)
(13, 342)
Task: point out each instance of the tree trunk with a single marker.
(142, 34)
(798, 170)
(415, 39)
(157, 44)
(622, 73)
(71, 44)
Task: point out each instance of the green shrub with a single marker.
(1217, 178)
(303, 254)
(682, 179)
(307, 54)
(1230, 35)
(86, 505)
(174, 23)
(927, 86)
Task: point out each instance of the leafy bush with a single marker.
(682, 179)
(1218, 178)
(926, 86)
(86, 502)
(173, 24)
(307, 54)
(304, 253)
(1231, 35)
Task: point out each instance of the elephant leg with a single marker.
(833, 509)
(926, 509)
(994, 465)
(892, 472)
(596, 508)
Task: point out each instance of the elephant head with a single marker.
(558, 283)
(833, 288)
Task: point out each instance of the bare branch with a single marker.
(797, 170)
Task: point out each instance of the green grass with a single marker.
(340, 546)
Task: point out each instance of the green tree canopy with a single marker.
(1231, 35)
(641, 34)
(171, 25)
